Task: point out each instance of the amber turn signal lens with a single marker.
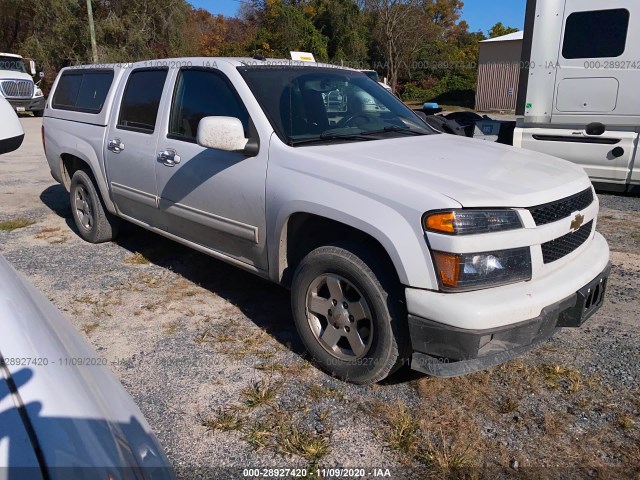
(448, 268)
(441, 222)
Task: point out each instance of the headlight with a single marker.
(475, 271)
(469, 222)
(38, 93)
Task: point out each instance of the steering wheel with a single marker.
(347, 120)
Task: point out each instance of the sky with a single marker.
(479, 14)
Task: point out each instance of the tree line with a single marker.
(422, 47)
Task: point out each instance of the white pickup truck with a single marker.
(400, 245)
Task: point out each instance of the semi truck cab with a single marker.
(578, 88)
(17, 85)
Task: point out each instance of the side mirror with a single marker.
(595, 128)
(226, 134)
(32, 68)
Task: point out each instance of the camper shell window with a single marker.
(83, 91)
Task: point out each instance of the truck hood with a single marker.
(474, 173)
(13, 75)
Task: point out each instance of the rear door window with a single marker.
(83, 91)
(141, 100)
(596, 34)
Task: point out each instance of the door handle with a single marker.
(115, 145)
(169, 157)
(617, 152)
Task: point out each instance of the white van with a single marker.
(579, 87)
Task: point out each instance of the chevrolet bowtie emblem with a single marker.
(577, 222)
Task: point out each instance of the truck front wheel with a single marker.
(347, 312)
(95, 224)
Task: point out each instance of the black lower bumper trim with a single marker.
(10, 144)
(446, 351)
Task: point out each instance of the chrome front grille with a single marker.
(554, 211)
(17, 88)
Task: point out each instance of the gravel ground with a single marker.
(210, 355)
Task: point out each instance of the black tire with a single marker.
(38, 113)
(388, 345)
(86, 203)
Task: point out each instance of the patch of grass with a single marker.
(151, 307)
(171, 328)
(508, 404)
(260, 393)
(284, 368)
(451, 454)
(403, 428)
(231, 342)
(16, 223)
(404, 431)
(223, 337)
(180, 290)
(136, 258)
(149, 281)
(558, 376)
(296, 439)
(225, 419)
(100, 304)
(319, 392)
(554, 424)
(52, 235)
(89, 328)
(203, 336)
(322, 414)
(258, 434)
(626, 423)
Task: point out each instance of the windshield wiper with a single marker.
(394, 129)
(360, 136)
(330, 136)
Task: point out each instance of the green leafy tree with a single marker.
(343, 23)
(499, 30)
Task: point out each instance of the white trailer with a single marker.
(579, 87)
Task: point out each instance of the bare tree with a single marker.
(399, 27)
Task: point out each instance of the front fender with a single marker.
(401, 236)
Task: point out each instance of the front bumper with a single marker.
(27, 105)
(450, 343)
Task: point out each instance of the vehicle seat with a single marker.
(317, 121)
(291, 116)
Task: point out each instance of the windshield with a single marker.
(12, 63)
(308, 105)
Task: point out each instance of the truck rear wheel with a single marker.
(346, 310)
(95, 224)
